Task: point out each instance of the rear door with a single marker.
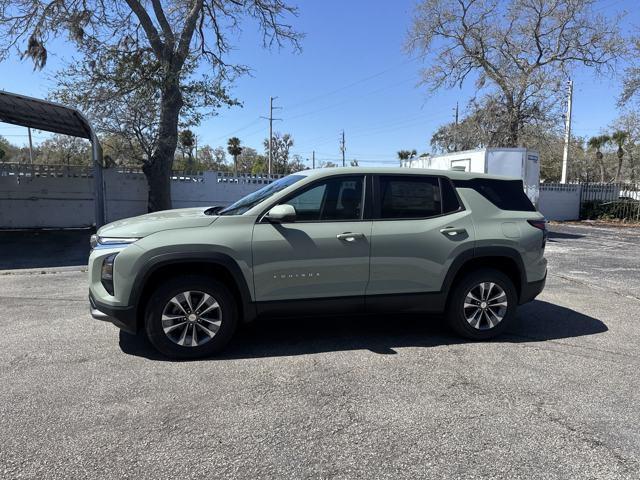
(419, 227)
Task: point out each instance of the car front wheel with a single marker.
(482, 304)
(191, 317)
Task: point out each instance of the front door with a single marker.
(323, 254)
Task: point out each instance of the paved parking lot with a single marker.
(557, 397)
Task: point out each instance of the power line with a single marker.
(230, 134)
(352, 84)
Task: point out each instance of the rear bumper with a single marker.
(122, 317)
(532, 289)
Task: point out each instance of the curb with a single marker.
(44, 271)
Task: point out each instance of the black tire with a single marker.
(167, 291)
(455, 307)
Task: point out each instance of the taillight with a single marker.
(541, 225)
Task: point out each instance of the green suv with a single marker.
(320, 242)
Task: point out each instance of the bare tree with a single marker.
(280, 145)
(156, 43)
(519, 50)
(632, 79)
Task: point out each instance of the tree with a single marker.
(3, 149)
(632, 79)
(187, 141)
(520, 51)
(296, 164)
(328, 164)
(65, 150)
(213, 158)
(406, 155)
(280, 147)
(630, 122)
(620, 138)
(234, 149)
(597, 143)
(152, 49)
(250, 161)
(9, 150)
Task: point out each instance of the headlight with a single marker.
(97, 241)
(106, 273)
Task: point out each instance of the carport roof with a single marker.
(42, 115)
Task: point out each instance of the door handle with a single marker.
(349, 236)
(452, 231)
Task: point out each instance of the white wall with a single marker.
(559, 202)
(64, 198)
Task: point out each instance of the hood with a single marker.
(144, 225)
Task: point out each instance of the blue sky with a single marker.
(352, 74)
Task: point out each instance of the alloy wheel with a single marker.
(485, 305)
(191, 318)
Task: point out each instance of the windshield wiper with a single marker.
(213, 210)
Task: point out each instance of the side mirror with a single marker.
(281, 213)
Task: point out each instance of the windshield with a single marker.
(253, 199)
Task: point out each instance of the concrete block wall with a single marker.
(64, 198)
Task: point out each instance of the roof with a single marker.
(454, 174)
(42, 115)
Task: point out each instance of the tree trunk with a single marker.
(599, 157)
(514, 127)
(158, 170)
(619, 171)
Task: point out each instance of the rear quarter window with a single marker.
(504, 194)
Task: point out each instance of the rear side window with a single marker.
(504, 194)
(409, 197)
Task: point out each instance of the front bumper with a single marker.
(532, 289)
(124, 318)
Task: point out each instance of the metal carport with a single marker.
(53, 117)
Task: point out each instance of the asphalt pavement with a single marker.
(382, 397)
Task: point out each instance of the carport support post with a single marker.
(96, 154)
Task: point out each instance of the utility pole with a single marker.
(30, 146)
(343, 148)
(567, 132)
(313, 159)
(271, 119)
(455, 132)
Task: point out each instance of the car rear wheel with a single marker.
(482, 304)
(191, 317)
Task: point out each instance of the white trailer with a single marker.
(513, 162)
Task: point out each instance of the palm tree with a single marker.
(619, 138)
(406, 155)
(596, 143)
(234, 149)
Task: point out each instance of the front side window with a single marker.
(339, 198)
(409, 197)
